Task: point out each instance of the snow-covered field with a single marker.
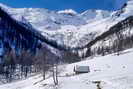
(113, 72)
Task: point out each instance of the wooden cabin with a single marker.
(81, 69)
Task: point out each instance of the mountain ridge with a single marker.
(52, 17)
(71, 29)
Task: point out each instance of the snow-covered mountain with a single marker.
(94, 15)
(96, 24)
(125, 11)
(46, 19)
(68, 27)
(69, 23)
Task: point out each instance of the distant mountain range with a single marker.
(68, 27)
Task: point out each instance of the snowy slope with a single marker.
(44, 19)
(76, 36)
(128, 9)
(94, 15)
(47, 21)
(114, 72)
(124, 12)
(68, 27)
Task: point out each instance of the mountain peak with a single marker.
(4, 6)
(128, 8)
(68, 11)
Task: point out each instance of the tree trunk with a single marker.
(55, 75)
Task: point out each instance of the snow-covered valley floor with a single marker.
(113, 72)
